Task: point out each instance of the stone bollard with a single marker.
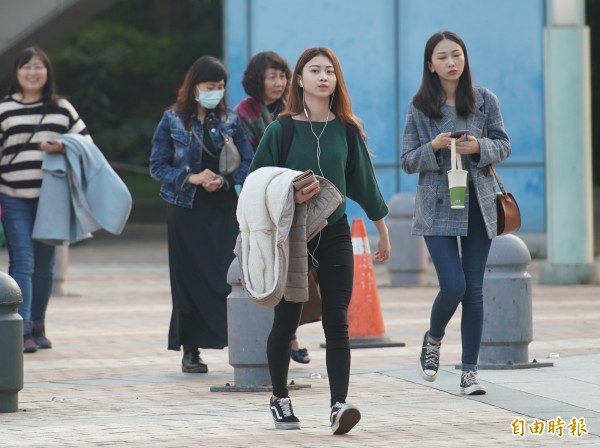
(248, 328)
(61, 264)
(11, 344)
(507, 315)
(408, 261)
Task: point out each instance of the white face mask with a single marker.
(210, 98)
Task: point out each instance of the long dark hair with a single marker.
(49, 94)
(429, 96)
(254, 75)
(205, 69)
(341, 105)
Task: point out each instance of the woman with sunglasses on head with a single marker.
(329, 140)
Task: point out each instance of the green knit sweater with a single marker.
(350, 171)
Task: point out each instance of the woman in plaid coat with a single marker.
(447, 101)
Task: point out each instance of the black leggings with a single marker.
(333, 252)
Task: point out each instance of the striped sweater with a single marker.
(21, 162)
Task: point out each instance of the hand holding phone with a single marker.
(459, 134)
(310, 187)
(304, 179)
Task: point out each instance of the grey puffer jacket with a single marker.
(274, 231)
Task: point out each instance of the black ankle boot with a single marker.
(192, 362)
(39, 334)
(29, 345)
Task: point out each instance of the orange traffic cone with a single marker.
(365, 321)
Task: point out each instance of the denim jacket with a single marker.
(432, 214)
(177, 154)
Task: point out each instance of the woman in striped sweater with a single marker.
(32, 116)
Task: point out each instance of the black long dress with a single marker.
(201, 242)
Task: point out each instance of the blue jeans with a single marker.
(461, 282)
(31, 263)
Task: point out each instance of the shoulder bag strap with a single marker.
(204, 147)
(37, 128)
(287, 128)
(491, 168)
(351, 134)
(493, 171)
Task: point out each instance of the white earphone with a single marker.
(300, 83)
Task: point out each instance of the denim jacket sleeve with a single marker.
(163, 165)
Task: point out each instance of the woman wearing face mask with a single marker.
(201, 220)
(329, 140)
(266, 81)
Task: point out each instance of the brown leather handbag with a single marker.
(311, 310)
(509, 215)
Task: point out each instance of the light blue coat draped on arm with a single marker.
(80, 194)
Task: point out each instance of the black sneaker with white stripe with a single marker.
(429, 361)
(343, 418)
(283, 414)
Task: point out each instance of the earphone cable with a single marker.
(318, 137)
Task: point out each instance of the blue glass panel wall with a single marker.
(380, 46)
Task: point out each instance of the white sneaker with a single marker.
(469, 384)
(343, 418)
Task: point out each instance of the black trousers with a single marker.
(335, 269)
(201, 241)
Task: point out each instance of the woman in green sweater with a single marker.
(319, 105)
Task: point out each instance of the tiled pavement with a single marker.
(110, 381)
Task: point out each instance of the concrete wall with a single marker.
(380, 45)
(40, 22)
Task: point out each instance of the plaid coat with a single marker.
(432, 213)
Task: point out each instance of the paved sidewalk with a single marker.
(109, 380)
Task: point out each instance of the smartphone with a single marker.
(310, 187)
(459, 134)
